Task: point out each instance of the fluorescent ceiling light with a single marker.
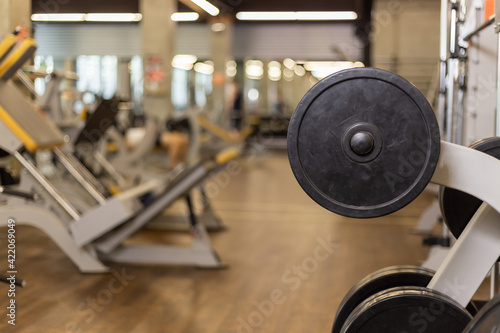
(184, 17)
(321, 69)
(274, 64)
(231, 68)
(326, 16)
(184, 61)
(274, 74)
(311, 65)
(253, 16)
(91, 17)
(218, 27)
(289, 63)
(299, 70)
(321, 73)
(288, 74)
(231, 64)
(204, 68)
(274, 71)
(207, 6)
(76, 17)
(293, 16)
(254, 69)
(113, 17)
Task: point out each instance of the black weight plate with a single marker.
(458, 207)
(410, 310)
(390, 277)
(363, 142)
(487, 320)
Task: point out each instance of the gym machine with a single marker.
(25, 131)
(126, 169)
(94, 135)
(364, 143)
(35, 201)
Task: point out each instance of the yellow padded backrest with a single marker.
(6, 45)
(17, 58)
(20, 116)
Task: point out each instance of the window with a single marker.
(97, 75)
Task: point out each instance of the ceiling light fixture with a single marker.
(113, 17)
(321, 69)
(204, 68)
(184, 61)
(218, 27)
(90, 17)
(207, 6)
(297, 16)
(184, 17)
(74, 17)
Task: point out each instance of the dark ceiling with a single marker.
(231, 7)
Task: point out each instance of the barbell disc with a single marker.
(487, 319)
(408, 309)
(385, 278)
(458, 207)
(363, 142)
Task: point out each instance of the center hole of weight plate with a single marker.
(362, 143)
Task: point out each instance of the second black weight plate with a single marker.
(487, 320)
(390, 277)
(410, 310)
(458, 207)
(363, 143)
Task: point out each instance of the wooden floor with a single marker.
(290, 264)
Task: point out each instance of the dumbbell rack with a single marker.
(478, 248)
(346, 139)
(453, 50)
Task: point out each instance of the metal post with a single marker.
(460, 107)
(497, 127)
(79, 177)
(452, 71)
(47, 186)
(495, 271)
(495, 281)
(450, 93)
(445, 69)
(462, 73)
(86, 173)
(109, 168)
(27, 82)
(443, 55)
